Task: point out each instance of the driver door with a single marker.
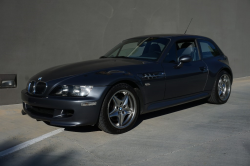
(188, 79)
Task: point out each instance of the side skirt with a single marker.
(174, 102)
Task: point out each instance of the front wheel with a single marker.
(222, 89)
(120, 109)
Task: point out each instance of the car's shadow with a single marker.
(143, 116)
(82, 129)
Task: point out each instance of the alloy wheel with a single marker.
(122, 109)
(224, 87)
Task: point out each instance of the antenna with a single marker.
(188, 25)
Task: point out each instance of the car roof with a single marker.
(169, 35)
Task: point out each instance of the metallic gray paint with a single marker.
(193, 81)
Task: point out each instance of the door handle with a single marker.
(203, 69)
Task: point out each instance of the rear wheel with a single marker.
(222, 89)
(120, 109)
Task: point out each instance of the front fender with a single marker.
(135, 83)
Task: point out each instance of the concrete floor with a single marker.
(192, 134)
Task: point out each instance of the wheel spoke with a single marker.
(220, 92)
(224, 93)
(113, 113)
(222, 78)
(225, 79)
(125, 100)
(220, 83)
(131, 105)
(128, 111)
(117, 101)
(121, 119)
(127, 119)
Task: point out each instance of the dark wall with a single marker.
(38, 34)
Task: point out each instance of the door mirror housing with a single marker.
(184, 59)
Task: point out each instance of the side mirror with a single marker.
(184, 59)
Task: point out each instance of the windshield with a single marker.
(139, 48)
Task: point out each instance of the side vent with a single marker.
(155, 75)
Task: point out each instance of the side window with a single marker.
(171, 55)
(162, 46)
(187, 48)
(208, 49)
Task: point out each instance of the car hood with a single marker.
(84, 67)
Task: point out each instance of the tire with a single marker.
(120, 109)
(215, 97)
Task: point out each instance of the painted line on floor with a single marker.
(241, 77)
(11, 104)
(30, 142)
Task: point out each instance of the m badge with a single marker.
(40, 78)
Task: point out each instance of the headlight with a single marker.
(71, 90)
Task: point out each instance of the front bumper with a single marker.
(50, 108)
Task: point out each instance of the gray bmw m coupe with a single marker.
(139, 75)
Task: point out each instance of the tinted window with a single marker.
(208, 49)
(171, 55)
(187, 48)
